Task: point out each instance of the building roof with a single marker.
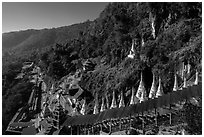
(21, 124)
(29, 131)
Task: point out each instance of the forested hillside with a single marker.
(23, 41)
(166, 34)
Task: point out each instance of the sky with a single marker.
(38, 15)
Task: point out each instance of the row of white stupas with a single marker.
(140, 96)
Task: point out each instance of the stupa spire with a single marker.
(196, 79)
(107, 101)
(143, 96)
(152, 19)
(184, 82)
(175, 83)
(96, 105)
(160, 91)
(141, 92)
(132, 101)
(188, 68)
(153, 89)
(83, 109)
(102, 105)
(113, 104)
(142, 42)
(122, 103)
(132, 51)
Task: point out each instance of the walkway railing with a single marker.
(133, 110)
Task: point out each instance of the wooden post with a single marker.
(110, 126)
(143, 124)
(130, 123)
(84, 130)
(156, 117)
(101, 128)
(170, 115)
(77, 130)
(170, 118)
(88, 131)
(92, 130)
(71, 129)
(120, 126)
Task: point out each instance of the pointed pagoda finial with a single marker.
(142, 42)
(95, 109)
(144, 93)
(175, 83)
(107, 101)
(102, 105)
(183, 71)
(143, 97)
(196, 79)
(188, 68)
(141, 92)
(122, 103)
(133, 42)
(83, 109)
(153, 89)
(132, 101)
(152, 19)
(113, 104)
(160, 91)
(96, 105)
(184, 82)
(132, 51)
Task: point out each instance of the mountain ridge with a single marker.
(25, 39)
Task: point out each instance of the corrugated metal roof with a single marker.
(22, 124)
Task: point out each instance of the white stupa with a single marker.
(152, 20)
(113, 104)
(160, 91)
(183, 70)
(175, 84)
(143, 96)
(153, 30)
(184, 82)
(83, 109)
(142, 42)
(96, 105)
(122, 103)
(153, 89)
(132, 101)
(141, 92)
(132, 51)
(107, 101)
(188, 68)
(196, 79)
(102, 106)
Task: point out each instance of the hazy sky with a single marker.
(37, 15)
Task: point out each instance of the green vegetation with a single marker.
(194, 120)
(106, 41)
